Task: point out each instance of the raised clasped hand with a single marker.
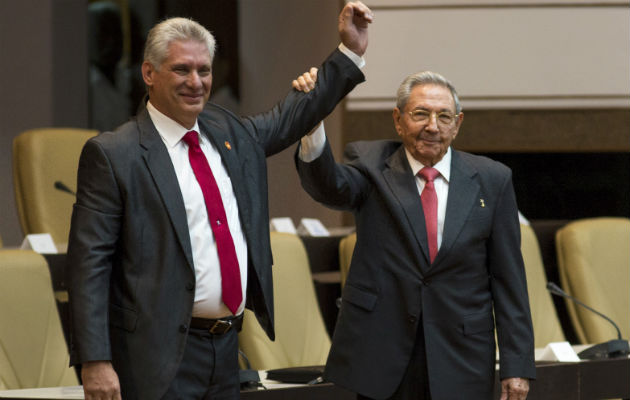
(305, 82)
(353, 26)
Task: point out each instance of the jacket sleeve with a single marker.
(509, 289)
(299, 112)
(336, 185)
(96, 220)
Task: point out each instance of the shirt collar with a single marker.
(443, 166)
(170, 130)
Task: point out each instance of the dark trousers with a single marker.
(209, 369)
(415, 382)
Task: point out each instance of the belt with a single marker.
(217, 326)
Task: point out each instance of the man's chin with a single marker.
(194, 107)
(425, 156)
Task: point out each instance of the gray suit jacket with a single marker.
(130, 264)
(477, 278)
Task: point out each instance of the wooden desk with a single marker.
(601, 379)
(586, 380)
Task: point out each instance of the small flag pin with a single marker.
(228, 145)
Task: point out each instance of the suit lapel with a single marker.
(463, 192)
(161, 168)
(401, 181)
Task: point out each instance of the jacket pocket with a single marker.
(478, 324)
(122, 318)
(359, 297)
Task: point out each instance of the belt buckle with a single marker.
(220, 327)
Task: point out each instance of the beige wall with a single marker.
(43, 81)
(280, 39)
(507, 54)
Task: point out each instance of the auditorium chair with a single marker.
(301, 336)
(33, 351)
(547, 327)
(594, 267)
(45, 160)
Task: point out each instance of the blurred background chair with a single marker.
(346, 248)
(301, 336)
(33, 352)
(41, 158)
(547, 327)
(594, 266)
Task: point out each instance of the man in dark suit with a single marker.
(169, 238)
(437, 262)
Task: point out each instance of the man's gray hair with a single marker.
(169, 30)
(424, 78)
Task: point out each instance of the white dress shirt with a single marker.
(312, 146)
(208, 294)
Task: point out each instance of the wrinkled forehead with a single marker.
(431, 96)
(187, 49)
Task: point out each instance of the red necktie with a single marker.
(230, 274)
(429, 206)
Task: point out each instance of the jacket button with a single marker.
(412, 319)
(190, 286)
(183, 328)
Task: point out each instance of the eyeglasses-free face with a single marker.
(428, 124)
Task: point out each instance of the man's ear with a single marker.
(397, 115)
(458, 123)
(147, 73)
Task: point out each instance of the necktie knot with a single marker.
(429, 173)
(191, 138)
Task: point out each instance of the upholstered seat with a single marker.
(42, 157)
(346, 248)
(547, 327)
(594, 266)
(301, 336)
(33, 352)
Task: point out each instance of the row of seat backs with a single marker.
(594, 265)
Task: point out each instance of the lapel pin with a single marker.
(483, 203)
(228, 145)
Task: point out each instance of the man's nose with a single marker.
(432, 125)
(194, 80)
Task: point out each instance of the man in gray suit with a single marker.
(437, 262)
(169, 238)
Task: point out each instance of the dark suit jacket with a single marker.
(477, 278)
(132, 279)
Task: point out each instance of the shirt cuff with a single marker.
(356, 59)
(312, 146)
